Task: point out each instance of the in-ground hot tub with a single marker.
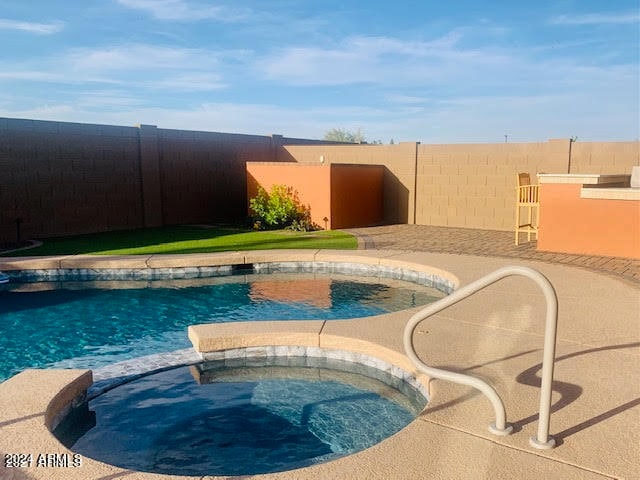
(244, 416)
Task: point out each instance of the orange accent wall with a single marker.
(571, 224)
(356, 195)
(312, 182)
(346, 195)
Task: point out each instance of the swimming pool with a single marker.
(88, 325)
(222, 418)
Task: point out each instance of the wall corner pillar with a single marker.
(415, 183)
(276, 145)
(151, 188)
(410, 154)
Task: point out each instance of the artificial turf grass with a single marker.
(188, 239)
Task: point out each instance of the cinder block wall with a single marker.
(604, 157)
(61, 178)
(203, 175)
(474, 185)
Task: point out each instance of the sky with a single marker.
(431, 71)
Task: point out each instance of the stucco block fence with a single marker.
(59, 178)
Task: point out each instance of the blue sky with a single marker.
(428, 71)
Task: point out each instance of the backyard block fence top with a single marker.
(59, 178)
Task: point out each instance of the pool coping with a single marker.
(192, 266)
(31, 399)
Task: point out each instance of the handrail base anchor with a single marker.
(548, 445)
(503, 432)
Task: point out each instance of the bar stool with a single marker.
(527, 197)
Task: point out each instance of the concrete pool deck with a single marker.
(496, 334)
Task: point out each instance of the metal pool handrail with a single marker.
(500, 427)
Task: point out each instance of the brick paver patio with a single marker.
(466, 241)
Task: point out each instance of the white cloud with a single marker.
(7, 73)
(383, 60)
(139, 57)
(406, 99)
(596, 18)
(57, 112)
(107, 99)
(200, 82)
(136, 65)
(31, 27)
(313, 66)
(150, 66)
(446, 67)
(185, 11)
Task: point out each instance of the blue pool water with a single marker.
(86, 326)
(214, 419)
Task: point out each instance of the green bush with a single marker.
(281, 208)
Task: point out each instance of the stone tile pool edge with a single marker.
(111, 376)
(168, 267)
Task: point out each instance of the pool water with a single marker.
(216, 419)
(90, 325)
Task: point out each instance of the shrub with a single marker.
(303, 223)
(281, 208)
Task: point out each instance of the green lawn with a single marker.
(188, 239)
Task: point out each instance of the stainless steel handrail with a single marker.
(500, 427)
